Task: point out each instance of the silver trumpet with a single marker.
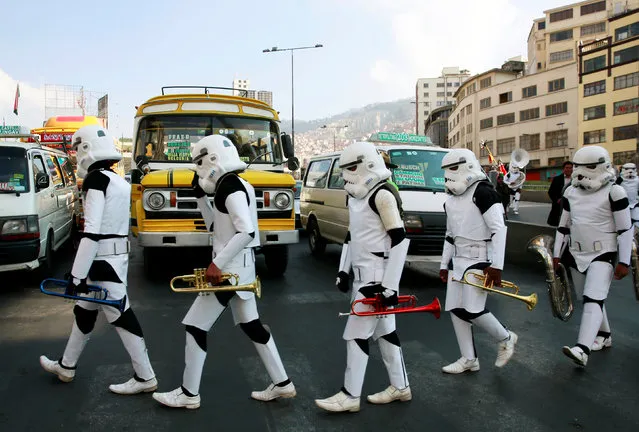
(559, 288)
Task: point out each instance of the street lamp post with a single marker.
(276, 49)
(334, 131)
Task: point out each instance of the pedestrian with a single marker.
(375, 248)
(234, 214)
(595, 225)
(103, 260)
(556, 190)
(474, 219)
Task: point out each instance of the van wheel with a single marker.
(316, 242)
(46, 264)
(276, 259)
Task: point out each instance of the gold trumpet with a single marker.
(531, 300)
(197, 283)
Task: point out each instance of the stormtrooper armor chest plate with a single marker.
(632, 188)
(465, 221)
(118, 197)
(592, 223)
(369, 241)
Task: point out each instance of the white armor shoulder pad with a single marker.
(617, 193)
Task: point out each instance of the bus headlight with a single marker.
(282, 200)
(155, 200)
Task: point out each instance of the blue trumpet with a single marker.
(99, 294)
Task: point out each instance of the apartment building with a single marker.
(432, 93)
(243, 87)
(609, 89)
(436, 125)
(508, 110)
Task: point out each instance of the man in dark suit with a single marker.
(556, 191)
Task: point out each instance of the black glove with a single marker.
(195, 184)
(389, 297)
(73, 289)
(342, 282)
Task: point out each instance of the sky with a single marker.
(373, 50)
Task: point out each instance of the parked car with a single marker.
(39, 204)
(297, 190)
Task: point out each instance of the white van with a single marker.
(420, 180)
(39, 203)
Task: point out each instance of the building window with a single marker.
(529, 114)
(626, 32)
(538, 65)
(541, 25)
(505, 97)
(425, 85)
(596, 112)
(469, 109)
(469, 128)
(534, 163)
(593, 29)
(557, 161)
(558, 108)
(469, 145)
(594, 88)
(440, 84)
(441, 94)
(555, 85)
(595, 137)
(483, 152)
(456, 84)
(626, 106)
(426, 94)
(486, 123)
(506, 145)
(527, 92)
(426, 112)
(485, 83)
(449, 84)
(561, 56)
(625, 132)
(449, 93)
(505, 119)
(529, 142)
(626, 55)
(620, 158)
(484, 103)
(594, 64)
(471, 89)
(593, 7)
(560, 36)
(557, 138)
(625, 81)
(561, 15)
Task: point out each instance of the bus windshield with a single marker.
(418, 169)
(168, 138)
(14, 176)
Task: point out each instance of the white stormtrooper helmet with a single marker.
(629, 170)
(592, 169)
(214, 156)
(461, 170)
(362, 168)
(93, 144)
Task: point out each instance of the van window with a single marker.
(317, 173)
(336, 181)
(67, 170)
(14, 174)
(54, 170)
(418, 169)
(38, 166)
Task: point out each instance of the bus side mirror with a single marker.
(289, 151)
(293, 164)
(42, 181)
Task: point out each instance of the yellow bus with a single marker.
(164, 213)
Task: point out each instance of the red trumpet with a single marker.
(406, 304)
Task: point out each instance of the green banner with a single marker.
(400, 138)
(12, 130)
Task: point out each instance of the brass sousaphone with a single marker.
(197, 282)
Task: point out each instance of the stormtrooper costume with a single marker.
(375, 249)
(103, 259)
(236, 234)
(515, 180)
(630, 182)
(475, 242)
(596, 226)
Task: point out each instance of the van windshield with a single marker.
(14, 174)
(418, 169)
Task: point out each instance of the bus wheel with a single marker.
(276, 258)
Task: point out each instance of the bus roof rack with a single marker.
(243, 92)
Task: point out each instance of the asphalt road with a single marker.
(539, 390)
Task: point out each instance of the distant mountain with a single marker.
(312, 139)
